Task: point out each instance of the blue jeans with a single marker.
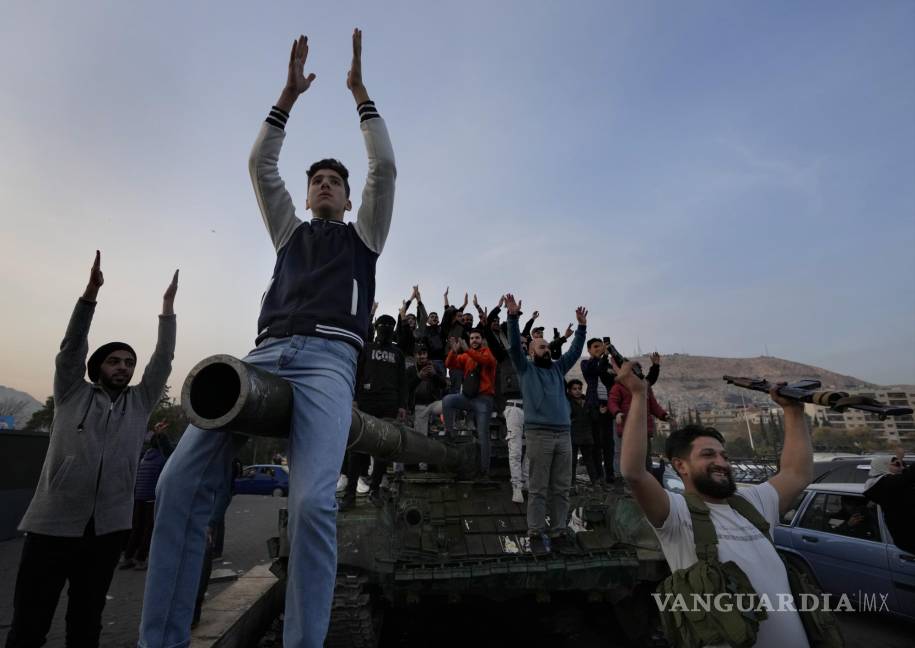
(481, 405)
(322, 374)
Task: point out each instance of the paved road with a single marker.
(250, 520)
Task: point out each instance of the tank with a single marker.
(442, 531)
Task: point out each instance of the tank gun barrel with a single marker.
(223, 392)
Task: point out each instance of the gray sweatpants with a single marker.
(550, 478)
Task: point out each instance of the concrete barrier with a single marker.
(21, 458)
(239, 615)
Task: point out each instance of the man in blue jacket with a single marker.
(547, 426)
(313, 322)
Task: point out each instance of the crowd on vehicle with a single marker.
(437, 371)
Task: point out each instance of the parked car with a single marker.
(263, 479)
(846, 470)
(839, 537)
(671, 480)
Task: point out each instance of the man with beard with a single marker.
(410, 327)
(508, 397)
(82, 510)
(478, 369)
(547, 425)
(434, 339)
(698, 455)
(426, 385)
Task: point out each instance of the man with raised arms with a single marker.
(699, 457)
(313, 322)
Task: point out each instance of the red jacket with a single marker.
(469, 359)
(619, 401)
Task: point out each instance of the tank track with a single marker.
(354, 620)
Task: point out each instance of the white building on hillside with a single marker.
(899, 429)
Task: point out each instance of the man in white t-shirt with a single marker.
(698, 455)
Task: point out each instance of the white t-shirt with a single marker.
(740, 541)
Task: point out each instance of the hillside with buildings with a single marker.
(692, 386)
(694, 382)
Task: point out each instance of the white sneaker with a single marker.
(363, 486)
(517, 495)
(342, 481)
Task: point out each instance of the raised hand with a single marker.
(655, 358)
(465, 302)
(354, 76)
(374, 308)
(296, 81)
(168, 299)
(568, 332)
(96, 278)
(581, 314)
(475, 302)
(415, 293)
(514, 308)
(535, 315)
(786, 403)
(626, 377)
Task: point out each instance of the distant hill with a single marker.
(10, 397)
(689, 381)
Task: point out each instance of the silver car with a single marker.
(839, 537)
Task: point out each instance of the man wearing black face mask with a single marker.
(547, 426)
(381, 390)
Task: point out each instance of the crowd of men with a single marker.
(429, 368)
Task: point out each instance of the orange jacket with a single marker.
(469, 359)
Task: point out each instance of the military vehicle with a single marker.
(445, 532)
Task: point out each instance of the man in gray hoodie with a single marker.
(76, 523)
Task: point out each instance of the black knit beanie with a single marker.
(99, 355)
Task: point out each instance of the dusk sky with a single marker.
(715, 178)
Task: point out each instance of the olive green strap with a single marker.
(704, 536)
(751, 513)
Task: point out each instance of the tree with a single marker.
(739, 447)
(828, 439)
(171, 412)
(43, 418)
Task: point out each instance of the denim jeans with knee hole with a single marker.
(322, 374)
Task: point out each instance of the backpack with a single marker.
(470, 385)
(708, 574)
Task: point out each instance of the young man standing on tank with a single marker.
(313, 322)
